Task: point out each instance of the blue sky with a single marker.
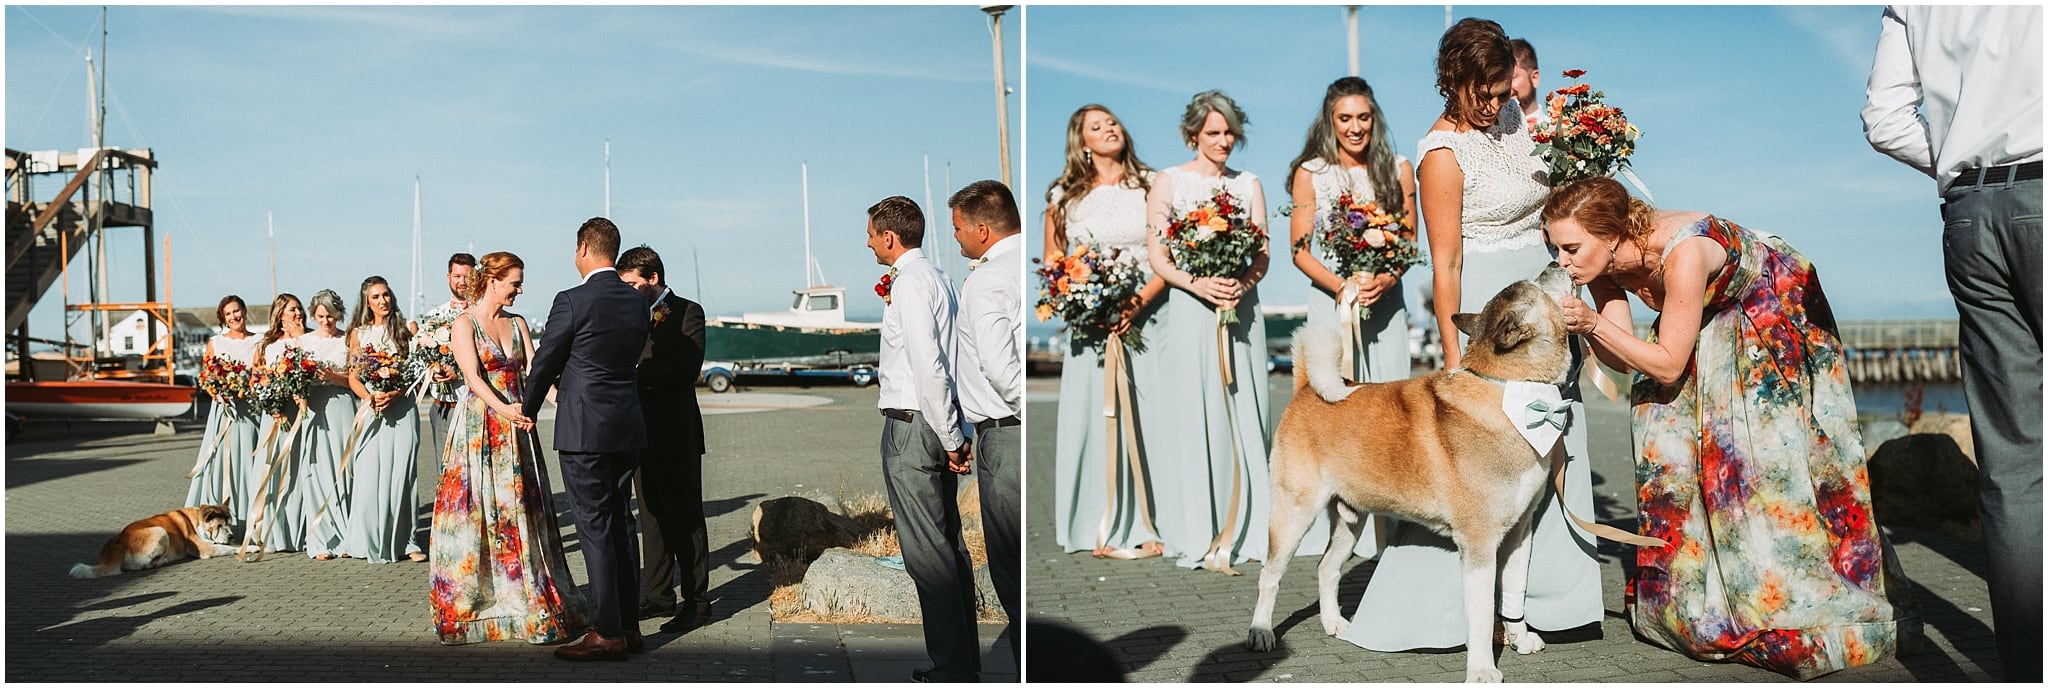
(1750, 113)
(324, 116)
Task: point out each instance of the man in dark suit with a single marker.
(671, 478)
(595, 333)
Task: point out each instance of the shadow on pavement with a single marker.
(22, 472)
(1142, 647)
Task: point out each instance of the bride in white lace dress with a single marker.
(1482, 194)
(1209, 454)
(1099, 201)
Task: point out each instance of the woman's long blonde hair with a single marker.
(1078, 178)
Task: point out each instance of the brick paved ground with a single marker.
(1169, 624)
(289, 618)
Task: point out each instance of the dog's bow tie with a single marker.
(1537, 410)
(1553, 414)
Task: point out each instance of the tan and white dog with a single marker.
(194, 531)
(1437, 450)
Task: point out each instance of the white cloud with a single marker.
(1055, 63)
(762, 56)
(1849, 34)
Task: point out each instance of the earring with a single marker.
(1087, 156)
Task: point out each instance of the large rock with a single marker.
(1924, 480)
(846, 583)
(801, 529)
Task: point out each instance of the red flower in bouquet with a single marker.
(1215, 239)
(887, 285)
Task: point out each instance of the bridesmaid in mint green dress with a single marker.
(1209, 439)
(384, 494)
(333, 412)
(277, 492)
(231, 426)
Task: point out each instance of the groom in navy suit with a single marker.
(591, 348)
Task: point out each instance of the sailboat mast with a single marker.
(413, 306)
(607, 179)
(270, 225)
(930, 213)
(807, 227)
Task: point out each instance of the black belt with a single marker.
(898, 414)
(1997, 175)
(1003, 422)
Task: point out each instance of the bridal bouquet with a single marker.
(384, 371)
(1363, 238)
(1088, 288)
(1215, 239)
(430, 349)
(225, 379)
(285, 381)
(1585, 137)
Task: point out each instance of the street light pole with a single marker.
(995, 13)
(1351, 33)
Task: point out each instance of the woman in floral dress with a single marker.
(498, 572)
(1750, 464)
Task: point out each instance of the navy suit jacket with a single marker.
(591, 348)
(668, 380)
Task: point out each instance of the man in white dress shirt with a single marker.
(1524, 85)
(923, 450)
(448, 388)
(991, 372)
(1955, 92)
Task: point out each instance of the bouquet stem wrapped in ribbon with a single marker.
(1215, 239)
(1088, 288)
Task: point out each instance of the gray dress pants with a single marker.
(925, 497)
(996, 455)
(1992, 245)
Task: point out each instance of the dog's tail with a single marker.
(110, 561)
(1316, 349)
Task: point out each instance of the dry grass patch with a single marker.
(871, 510)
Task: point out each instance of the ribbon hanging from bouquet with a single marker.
(1218, 556)
(1121, 429)
(274, 455)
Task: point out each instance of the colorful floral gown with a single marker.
(1752, 467)
(498, 571)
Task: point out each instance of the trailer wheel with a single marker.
(720, 382)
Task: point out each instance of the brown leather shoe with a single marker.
(635, 643)
(593, 648)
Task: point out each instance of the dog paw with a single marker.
(1526, 643)
(1333, 625)
(1486, 675)
(1261, 640)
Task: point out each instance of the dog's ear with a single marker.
(1467, 323)
(1512, 336)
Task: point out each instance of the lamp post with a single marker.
(995, 13)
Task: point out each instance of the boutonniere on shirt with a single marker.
(660, 312)
(976, 263)
(886, 285)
